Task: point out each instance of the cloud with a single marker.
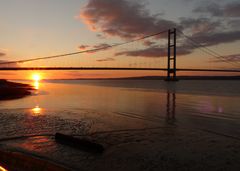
(228, 10)
(98, 47)
(234, 24)
(155, 52)
(209, 32)
(2, 54)
(101, 45)
(148, 43)
(229, 58)
(129, 19)
(149, 52)
(7, 64)
(83, 47)
(209, 7)
(199, 25)
(123, 18)
(217, 38)
(105, 60)
(232, 9)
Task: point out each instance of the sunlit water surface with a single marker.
(118, 104)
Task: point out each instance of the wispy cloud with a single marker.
(101, 45)
(105, 60)
(228, 58)
(97, 46)
(83, 47)
(7, 65)
(2, 54)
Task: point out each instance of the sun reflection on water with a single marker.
(36, 77)
(2, 169)
(36, 110)
(36, 85)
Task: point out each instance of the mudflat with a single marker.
(12, 90)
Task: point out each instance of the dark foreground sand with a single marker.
(162, 148)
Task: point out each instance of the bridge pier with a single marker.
(171, 70)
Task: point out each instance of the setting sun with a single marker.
(36, 77)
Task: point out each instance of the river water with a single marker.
(111, 104)
(82, 107)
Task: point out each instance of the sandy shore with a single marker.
(12, 90)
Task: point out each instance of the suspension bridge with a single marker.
(147, 47)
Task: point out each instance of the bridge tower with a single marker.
(171, 70)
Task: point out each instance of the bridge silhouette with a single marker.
(171, 54)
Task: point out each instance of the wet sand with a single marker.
(156, 149)
(158, 146)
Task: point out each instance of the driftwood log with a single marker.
(82, 144)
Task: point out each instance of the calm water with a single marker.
(90, 106)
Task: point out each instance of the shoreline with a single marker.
(12, 90)
(237, 77)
